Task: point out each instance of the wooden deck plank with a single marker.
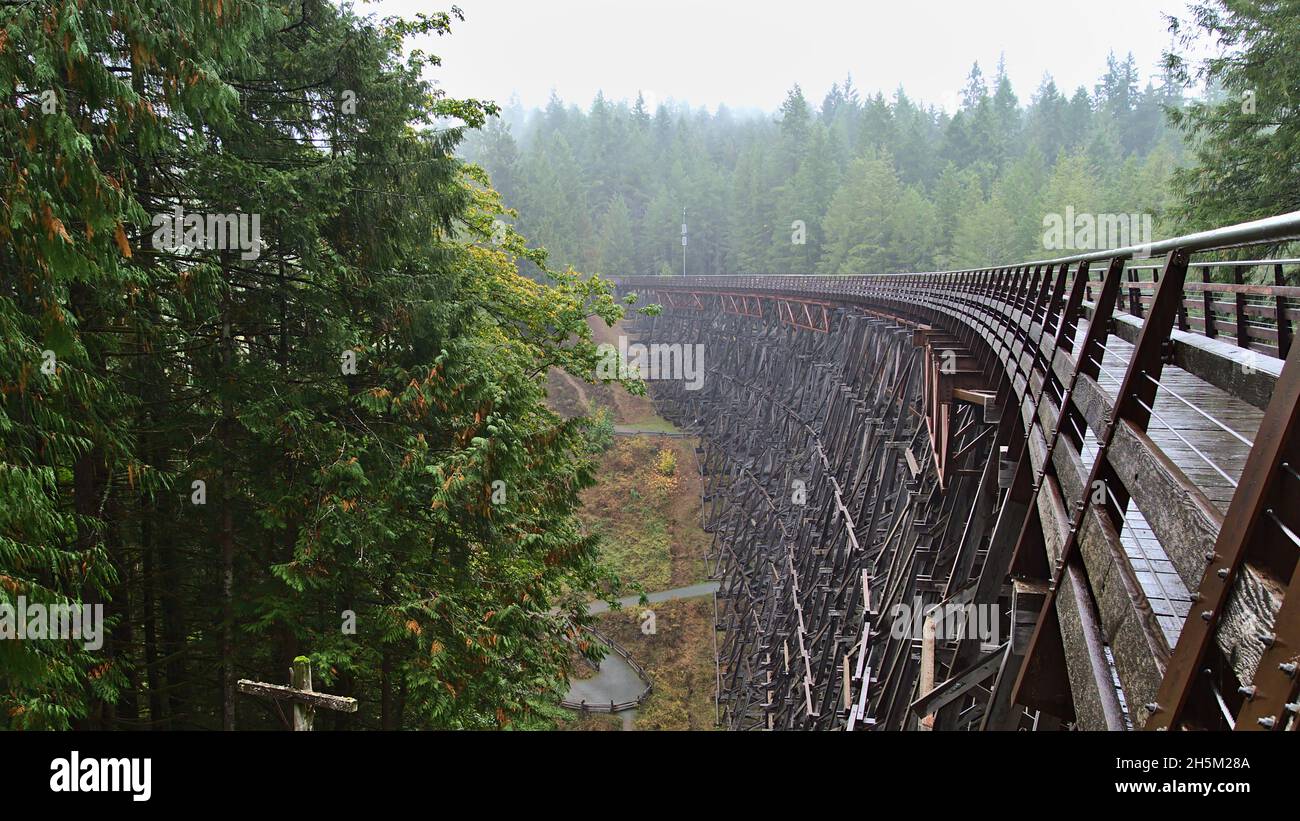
(1164, 589)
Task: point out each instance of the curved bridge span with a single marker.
(1056, 493)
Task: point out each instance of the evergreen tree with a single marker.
(875, 225)
(617, 251)
(1047, 125)
(755, 187)
(239, 451)
(1245, 142)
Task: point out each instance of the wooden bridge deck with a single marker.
(1165, 591)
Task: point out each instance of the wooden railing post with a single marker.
(303, 714)
(1042, 302)
(305, 699)
(1134, 294)
(1052, 319)
(1102, 317)
(1207, 298)
(1073, 308)
(1184, 324)
(1283, 321)
(1243, 327)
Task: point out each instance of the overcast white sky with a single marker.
(747, 53)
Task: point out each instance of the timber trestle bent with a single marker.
(1068, 454)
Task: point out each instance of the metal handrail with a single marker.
(1223, 263)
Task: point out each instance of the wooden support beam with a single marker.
(959, 684)
(975, 397)
(926, 683)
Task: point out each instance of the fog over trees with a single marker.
(871, 183)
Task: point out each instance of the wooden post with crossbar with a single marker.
(305, 699)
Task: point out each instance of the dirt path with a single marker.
(628, 430)
(616, 681)
(689, 592)
(577, 385)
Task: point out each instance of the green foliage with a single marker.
(666, 463)
(600, 431)
(876, 224)
(332, 496)
(851, 186)
(1246, 135)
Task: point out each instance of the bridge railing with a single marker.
(1243, 311)
(1029, 317)
(1233, 300)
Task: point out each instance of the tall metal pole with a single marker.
(683, 241)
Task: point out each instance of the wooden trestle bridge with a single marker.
(1102, 451)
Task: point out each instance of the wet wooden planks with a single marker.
(1211, 457)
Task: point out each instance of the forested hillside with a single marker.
(869, 183)
(274, 350)
(330, 440)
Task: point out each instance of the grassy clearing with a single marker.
(646, 507)
(679, 659)
(656, 423)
